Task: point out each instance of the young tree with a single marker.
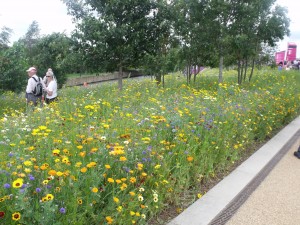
(115, 34)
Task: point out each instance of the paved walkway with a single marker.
(276, 201)
(264, 190)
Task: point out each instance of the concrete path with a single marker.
(263, 190)
(277, 198)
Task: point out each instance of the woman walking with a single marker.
(51, 87)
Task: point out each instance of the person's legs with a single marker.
(48, 101)
(297, 153)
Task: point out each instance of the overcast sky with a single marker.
(51, 16)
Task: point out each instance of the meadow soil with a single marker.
(188, 197)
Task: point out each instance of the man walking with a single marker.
(32, 99)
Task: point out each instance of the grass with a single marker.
(110, 157)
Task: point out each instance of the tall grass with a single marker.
(101, 156)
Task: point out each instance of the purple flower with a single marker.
(6, 185)
(62, 210)
(38, 190)
(31, 177)
(10, 154)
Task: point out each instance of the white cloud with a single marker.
(51, 16)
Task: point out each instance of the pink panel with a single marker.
(291, 51)
(279, 57)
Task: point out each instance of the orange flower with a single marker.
(109, 219)
(52, 172)
(190, 158)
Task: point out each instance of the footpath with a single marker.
(263, 190)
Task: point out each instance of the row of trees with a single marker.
(157, 36)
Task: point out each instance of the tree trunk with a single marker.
(239, 72)
(221, 69)
(250, 77)
(120, 84)
(245, 71)
(158, 79)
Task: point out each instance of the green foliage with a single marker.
(13, 68)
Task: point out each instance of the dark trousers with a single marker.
(49, 100)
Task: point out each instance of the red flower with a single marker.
(2, 214)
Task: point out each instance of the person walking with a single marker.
(51, 88)
(46, 83)
(297, 153)
(31, 99)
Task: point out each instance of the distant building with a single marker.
(289, 55)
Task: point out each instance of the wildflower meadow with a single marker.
(104, 156)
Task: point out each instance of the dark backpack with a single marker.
(38, 89)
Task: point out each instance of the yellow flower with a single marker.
(89, 139)
(56, 152)
(123, 186)
(107, 166)
(140, 166)
(132, 193)
(42, 127)
(49, 196)
(16, 216)
(31, 148)
(18, 183)
(78, 164)
(59, 173)
(132, 213)
(57, 189)
(45, 182)
(27, 163)
(157, 166)
(27, 170)
(132, 180)
(123, 158)
(91, 164)
(21, 175)
(109, 219)
(110, 180)
(116, 200)
(118, 181)
(82, 154)
(93, 150)
(83, 170)
(79, 201)
(95, 190)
